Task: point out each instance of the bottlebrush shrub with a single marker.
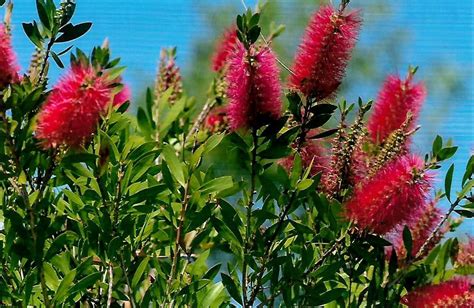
(247, 201)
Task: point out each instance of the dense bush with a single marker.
(259, 198)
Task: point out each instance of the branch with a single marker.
(201, 117)
(250, 204)
(283, 214)
(111, 283)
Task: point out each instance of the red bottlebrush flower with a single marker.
(216, 120)
(253, 88)
(465, 256)
(8, 65)
(224, 48)
(123, 96)
(450, 294)
(396, 99)
(73, 109)
(391, 196)
(311, 151)
(322, 56)
(421, 225)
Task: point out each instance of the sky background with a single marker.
(437, 31)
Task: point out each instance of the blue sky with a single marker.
(440, 31)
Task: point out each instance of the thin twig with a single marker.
(428, 242)
(129, 286)
(45, 62)
(283, 214)
(201, 117)
(268, 44)
(326, 254)
(182, 216)
(111, 284)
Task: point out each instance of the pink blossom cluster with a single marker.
(8, 63)
(455, 293)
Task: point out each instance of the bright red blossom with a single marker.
(455, 293)
(396, 99)
(73, 109)
(323, 54)
(253, 89)
(123, 96)
(224, 48)
(217, 120)
(391, 196)
(8, 64)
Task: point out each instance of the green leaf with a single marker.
(43, 15)
(169, 155)
(448, 182)
(72, 32)
(446, 153)
(31, 30)
(52, 280)
(171, 116)
(328, 296)
(295, 104)
(304, 184)
(393, 264)
(407, 240)
(57, 59)
(469, 170)
(213, 142)
(319, 120)
(437, 145)
(139, 272)
(212, 272)
(65, 50)
(84, 283)
(254, 20)
(63, 288)
(217, 185)
(115, 72)
(469, 213)
(325, 134)
(73, 198)
(253, 34)
(240, 23)
(466, 189)
(323, 109)
(143, 122)
(231, 287)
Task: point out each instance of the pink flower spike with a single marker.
(217, 120)
(390, 197)
(224, 48)
(324, 52)
(8, 63)
(311, 151)
(396, 99)
(455, 293)
(421, 225)
(253, 89)
(465, 256)
(72, 111)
